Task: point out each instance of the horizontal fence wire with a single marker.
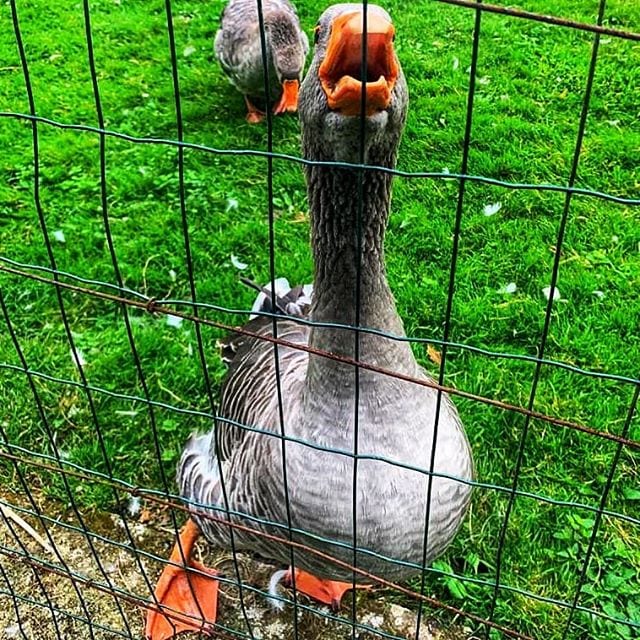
(95, 476)
(178, 505)
(160, 305)
(152, 306)
(221, 630)
(436, 175)
(249, 587)
(515, 12)
(24, 459)
(159, 497)
(56, 612)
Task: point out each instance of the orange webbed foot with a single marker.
(329, 592)
(188, 600)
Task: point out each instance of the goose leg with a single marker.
(190, 600)
(327, 592)
(254, 115)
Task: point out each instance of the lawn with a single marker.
(530, 87)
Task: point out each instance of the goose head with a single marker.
(330, 102)
(289, 46)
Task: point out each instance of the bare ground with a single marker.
(51, 605)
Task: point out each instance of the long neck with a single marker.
(338, 220)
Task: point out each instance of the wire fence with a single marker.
(84, 565)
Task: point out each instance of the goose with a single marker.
(396, 417)
(238, 48)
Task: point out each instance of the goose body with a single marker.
(396, 419)
(238, 48)
(391, 500)
(386, 502)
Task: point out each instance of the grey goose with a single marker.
(238, 48)
(396, 418)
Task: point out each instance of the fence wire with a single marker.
(23, 499)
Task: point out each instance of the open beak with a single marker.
(289, 100)
(341, 70)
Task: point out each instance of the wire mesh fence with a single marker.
(125, 197)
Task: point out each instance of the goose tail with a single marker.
(274, 598)
(290, 301)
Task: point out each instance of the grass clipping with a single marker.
(113, 613)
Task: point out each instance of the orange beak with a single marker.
(341, 70)
(289, 100)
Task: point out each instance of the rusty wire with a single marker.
(187, 509)
(152, 306)
(515, 12)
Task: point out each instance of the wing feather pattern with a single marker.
(249, 395)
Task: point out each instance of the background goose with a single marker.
(238, 48)
(395, 418)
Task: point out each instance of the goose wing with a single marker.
(249, 398)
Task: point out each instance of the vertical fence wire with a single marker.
(599, 514)
(464, 165)
(360, 195)
(124, 309)
(23, 482)
(61, 305)
(105, 213)
(36, 576)
(16, 606)
(547, 318)
(264, 52)
(194, 307)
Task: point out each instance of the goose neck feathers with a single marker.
(350, 207)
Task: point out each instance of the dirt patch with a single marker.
(89, 586)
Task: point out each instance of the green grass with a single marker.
(526, 114)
